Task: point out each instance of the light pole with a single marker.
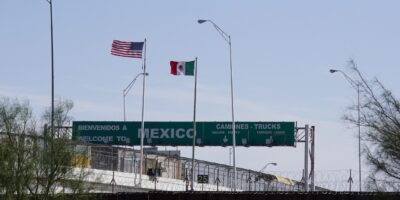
(230, 156)
(128, 88)
(227, 38)
(265, 167)
(52, 66)
(356, 86)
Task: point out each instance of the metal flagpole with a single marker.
(194, 124)
(142, 129)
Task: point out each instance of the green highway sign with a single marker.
(181, 133)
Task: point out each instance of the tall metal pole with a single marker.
(142, 129)
(227, 38)
(312, 157)
(355, 85)
(359, 135)
(230, 156)
(194, 125)
(52, 67)
(306, 157)
(123, 96)
(233, 118)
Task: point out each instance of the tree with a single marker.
(38, 163)
(380, 119)
(16, 123)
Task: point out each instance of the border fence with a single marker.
(169, 164)
(237, 196)
(168, 168)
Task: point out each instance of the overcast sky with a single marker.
(282, 51)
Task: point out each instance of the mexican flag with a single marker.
(182, 68)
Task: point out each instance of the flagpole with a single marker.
(142, 129)
(194, 124)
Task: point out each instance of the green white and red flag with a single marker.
(182, 68)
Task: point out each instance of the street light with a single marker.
(52, 66)
(227, 38)
(356, 86)
(265, 167)
(128, 88)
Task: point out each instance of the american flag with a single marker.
(127, 49)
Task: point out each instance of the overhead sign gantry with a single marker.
(181, 133)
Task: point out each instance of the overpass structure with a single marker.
(116, 169)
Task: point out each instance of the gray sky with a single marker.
(282, 51)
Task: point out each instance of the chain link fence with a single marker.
(169, 164)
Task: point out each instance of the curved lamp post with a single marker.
(356, 86)
(227, 38)
(128, 88)
(266, 165)
(261, 171)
